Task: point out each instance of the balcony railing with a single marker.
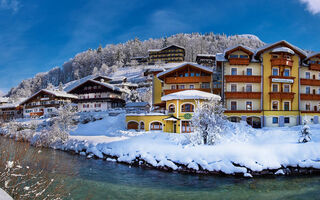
(179, 90)
(282, 79)
(312, 82)
(281, 95)
(239, 61)
(281, 62)
(315, 66)
(242, 111)
(243, 95)
(194, 79)
(243, 78)
(309, 96)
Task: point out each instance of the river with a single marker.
(97, 179)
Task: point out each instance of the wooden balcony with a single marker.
(194, 79)
(239, 61)
(36, 114)
(312, 82)
(310, 97)
(165, 92)
(315, 67)
(310, 111)
(281, 95)
(281, 62)
(243, 79)
(243, 95)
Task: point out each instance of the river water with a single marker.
(98, 179)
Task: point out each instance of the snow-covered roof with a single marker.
(206, 55)
(220, 57)
(156, 50)
(311, 55)
(9, 105)
(191, 94)
(279, 43)
(207, 69)
(56, 93)
(283, 49)
(4, 99)
(237, 47)
(137, 104)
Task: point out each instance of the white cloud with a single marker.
(313, 6)
(13, 5)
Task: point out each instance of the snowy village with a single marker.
(191, 115)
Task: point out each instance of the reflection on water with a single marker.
(98, 179)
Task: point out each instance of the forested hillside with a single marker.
(108, 59)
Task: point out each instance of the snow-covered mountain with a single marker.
(107, 60)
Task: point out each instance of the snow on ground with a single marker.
(241, 149)
(4, 195)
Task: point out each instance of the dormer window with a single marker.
(244, 56)
(233, 56)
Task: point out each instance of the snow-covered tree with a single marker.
(59, 127)
(60, 86)
(208, 123)
(305, 133)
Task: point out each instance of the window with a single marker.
(49, 110)
(244, 56)
(275, 72)
(307, 106)
(191, 86)
(319, 75)
(286, 105)
(233, 105)
(171, 108)
(274, 87)
(287, 120)
(275, 105)
(319, 91)
(286, 88)
(181, 87)
(248, 88)
(156, 126)
(141, 125)
(275, 120)
(249, 71)
(308, 90)
(187, 107)
(233, 87)
(274, 56)
(286, 72)
(186, 127)
(205, 85)
(307, 75)
(233, 71)
(197, 74)
(233, 56)
(173, 87)
(186, 74)
(249, 105)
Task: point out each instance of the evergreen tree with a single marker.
(305, 133)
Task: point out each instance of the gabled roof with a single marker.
(312, 55)
(283, 50)
(155, 50)
(207, 69)
(106, 85)
(191, 94)
(56, 93)
(297, 50)
(101, 77)
(238, 48)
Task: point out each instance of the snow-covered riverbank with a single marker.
(244, 151)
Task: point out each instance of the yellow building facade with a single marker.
(276, 85)
(176, 94)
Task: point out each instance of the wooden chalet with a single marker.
(94, 95)
(45, 102)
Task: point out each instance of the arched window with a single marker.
(141, 125)
(171, 108)
(156, 126)
(133, 125)
(187, 107)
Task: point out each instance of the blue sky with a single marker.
(36, 36)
